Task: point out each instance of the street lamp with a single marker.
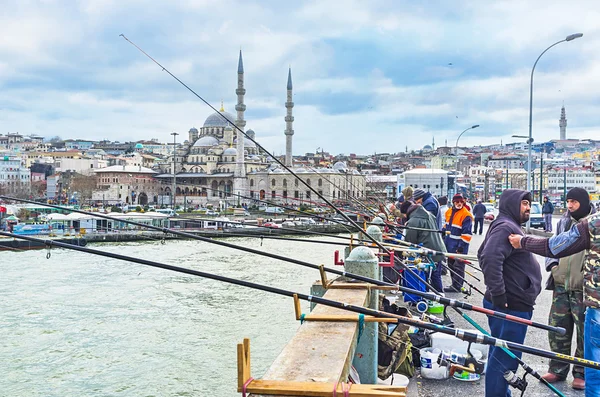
(174, 181)
(530, 138)
(456, 150)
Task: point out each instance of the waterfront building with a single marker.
(127, 184)
(14, 176)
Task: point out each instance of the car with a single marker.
(288, 224)
(536, 218)
(272, 225)
(490, 212)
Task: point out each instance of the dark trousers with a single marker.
(478, 221)
(457, 273)
(436, 278)
(498, 361)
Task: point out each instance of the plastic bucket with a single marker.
(430, 369)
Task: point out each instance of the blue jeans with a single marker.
(548, 222)
(591, 351)
(498, 361)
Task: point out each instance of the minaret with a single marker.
(289, 119)
(433, 142)
(239, 175)
(562, 123)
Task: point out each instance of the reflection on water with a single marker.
(79, 324)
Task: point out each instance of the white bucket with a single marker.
(430, 369)
(394, 380)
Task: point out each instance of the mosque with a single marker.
(216, 166)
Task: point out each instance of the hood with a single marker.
(510, 203)
(417, 211)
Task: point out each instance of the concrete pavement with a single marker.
(535, 337)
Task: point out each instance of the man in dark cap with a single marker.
(428, 202)
(566, 280)
(513, 281)
(458, 231)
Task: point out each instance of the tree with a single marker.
(84, 186)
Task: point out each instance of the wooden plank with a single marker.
(320, 351)
(319, 389)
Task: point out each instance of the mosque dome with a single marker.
(206, 141)
(247, 143)
(230, 152)
(216, 119)
(340, 165)
(427, 147)
(276, 171)
(193, 130)
(139, 146)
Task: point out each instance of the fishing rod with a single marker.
(279, 257)
(464, 335)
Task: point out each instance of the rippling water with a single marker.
(83, 325)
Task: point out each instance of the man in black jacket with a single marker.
(513, 281)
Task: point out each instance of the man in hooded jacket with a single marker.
(420, 218)
(513, 282)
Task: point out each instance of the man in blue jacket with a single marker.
(479, 212)
(547, 211)
(513, 281)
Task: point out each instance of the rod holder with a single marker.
(344, 318)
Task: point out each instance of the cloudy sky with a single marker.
(369, 76)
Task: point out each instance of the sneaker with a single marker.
(451, 289)
(552, 378)
(578, 384)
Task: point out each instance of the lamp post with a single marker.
(174, 180)
(456, 152)
(530, 138)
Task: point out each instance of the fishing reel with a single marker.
(461, 362)
(423, 308)
(513, 380)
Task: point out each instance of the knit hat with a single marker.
(458, 197)
(407, 192)
(583, 197)
(418, 193)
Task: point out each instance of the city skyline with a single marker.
(367, 77)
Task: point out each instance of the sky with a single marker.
(368, 76)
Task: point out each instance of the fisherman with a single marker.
(513, 281)
(479, 211)
(568, 309)
(547, 211)
(458, 233)
(419, 218)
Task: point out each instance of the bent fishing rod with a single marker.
(464, 335)
(444, 300)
